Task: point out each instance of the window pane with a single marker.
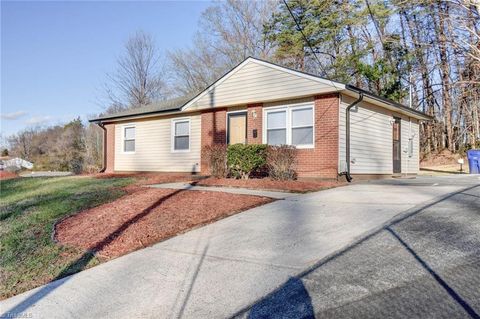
(303, 117)
(181, 128)
(181, 143)
(129, 133)
(396, 131)
(277, 137)
(277, 119)
(129, 146)
(302, 136)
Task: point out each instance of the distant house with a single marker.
(261, 102)
(14, 164)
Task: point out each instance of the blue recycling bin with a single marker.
(474, 161)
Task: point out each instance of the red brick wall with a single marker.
(321, 161)
(213, 132)
(110, 148)
(254, 121)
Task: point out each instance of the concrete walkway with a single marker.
(232, 190)
(45, 174)
(221, 269)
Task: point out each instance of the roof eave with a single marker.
(401, 107)
(134, 116)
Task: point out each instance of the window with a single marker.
(181, 135)
(277, 127)
(302, 126)
(129, 139)
(290, 125)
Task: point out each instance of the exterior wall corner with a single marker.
(110, 148)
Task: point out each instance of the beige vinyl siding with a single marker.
(259, 83)
(291, 102)
(371, 139)
(410, 162)
(153, 147)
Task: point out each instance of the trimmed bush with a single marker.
(243, 160)
(281, 161)
(217, 159)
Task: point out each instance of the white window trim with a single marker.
(303, 107)
(289, 109)
(172, 134)
(124, 127)
(265, 121)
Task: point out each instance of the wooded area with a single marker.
(387, 47)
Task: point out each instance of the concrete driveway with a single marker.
(335, 253)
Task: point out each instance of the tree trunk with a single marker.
(440, 12)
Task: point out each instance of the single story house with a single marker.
(337, 128)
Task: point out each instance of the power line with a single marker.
(299, 28)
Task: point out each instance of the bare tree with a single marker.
(93, 148)
(192, 70)
(236, 29)
(228, 33)
(138, 78)
(22, 144)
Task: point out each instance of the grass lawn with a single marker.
(29, 208)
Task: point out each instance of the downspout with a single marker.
(347, 137)
(104, 167)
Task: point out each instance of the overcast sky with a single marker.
(54, 55)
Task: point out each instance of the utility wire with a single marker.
(299, 28)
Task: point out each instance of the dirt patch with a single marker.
(7, 175)
(443, 162)
(147, 216)
(299, 186)
(441, 158)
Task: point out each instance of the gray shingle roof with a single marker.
(171, 105)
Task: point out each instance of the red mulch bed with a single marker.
(151, 178)
(300, 186)
(147, 216)
(148, 178)
(7, 175)
(297, 186)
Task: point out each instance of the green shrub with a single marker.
(243, 160)
(281, 161)
(216, 156)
